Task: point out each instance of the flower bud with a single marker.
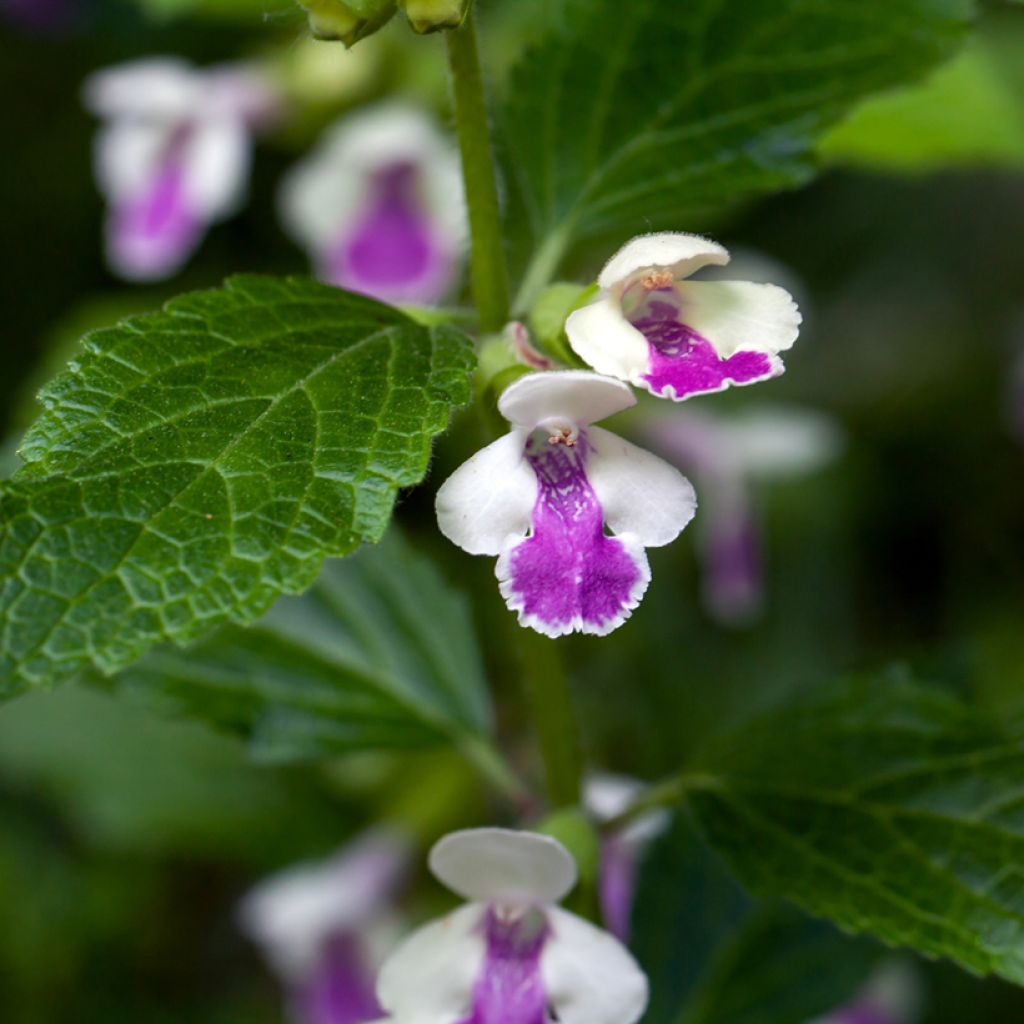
(433, 15)
(347, 21)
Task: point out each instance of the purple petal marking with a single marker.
(392, 252)
(152, 233)
(617, 885)
(341, 990)
(683, 363)
(568, 574)
(510, 987)
(733, 581)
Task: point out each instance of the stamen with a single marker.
(656, 280)
(564, 435)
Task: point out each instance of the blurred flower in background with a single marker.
(379, 206)
(325, 926)
(892, 996)
(728, 456)
(510, 954)
(45, 16)
(679, 338)
(606, 796)
(172, 155)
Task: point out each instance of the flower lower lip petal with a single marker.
(683, 363)
(568, 574)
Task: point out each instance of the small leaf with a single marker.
(632, 117)
(378, 653)
(714, 956)
(886, 807)
(196, 463)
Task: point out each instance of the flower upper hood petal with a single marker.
(674, 251)
(579, 396)
(504, 866)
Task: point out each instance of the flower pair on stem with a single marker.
(543, 498)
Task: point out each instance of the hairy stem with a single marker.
(487, 258)
(547, 694)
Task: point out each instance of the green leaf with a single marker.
(889, 808)
(378, 653)
(967, 114)
(631, 117)
(196, 463)
(129, 782)
(714, 956)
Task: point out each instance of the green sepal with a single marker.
(434, 15)
(349, 21)
(576, 832)
(548, 315)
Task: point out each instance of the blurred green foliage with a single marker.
(128, 838)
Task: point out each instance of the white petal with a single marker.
(125, 155)
(603, 338)
(504, 866)
(429, 978)
(670, 250)
(576, 396)
(217, 166)
(295, 911)
(606, 795)
(640, 493)
(590, 977)
(739, 315)
(162, 88)
(780, 441)
(489, 498)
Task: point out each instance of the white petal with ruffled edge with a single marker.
(604, 339)
(589, 976)
(739, 316)
(640, 493)
(575, 397)
(489, 498)
(429, 978)
(504, 867)
(677, 252)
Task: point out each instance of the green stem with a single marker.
(667, 793)
(487, 257)
(541, 270)
(495, 769)
(547, 694)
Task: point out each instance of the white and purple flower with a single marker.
(540, 498)
(678, 338)
(606, 796)
(510, 955)
(324, 927)
(379, 206)
(728, 456)
(172, 156)
(891, 996)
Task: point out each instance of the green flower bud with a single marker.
(433, 15)
(347, 21)
(547, 318)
